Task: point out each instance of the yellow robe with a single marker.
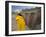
(20, 23)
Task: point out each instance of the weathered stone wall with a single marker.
(32, 19)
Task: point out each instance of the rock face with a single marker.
(14, 26)
(32, 18)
